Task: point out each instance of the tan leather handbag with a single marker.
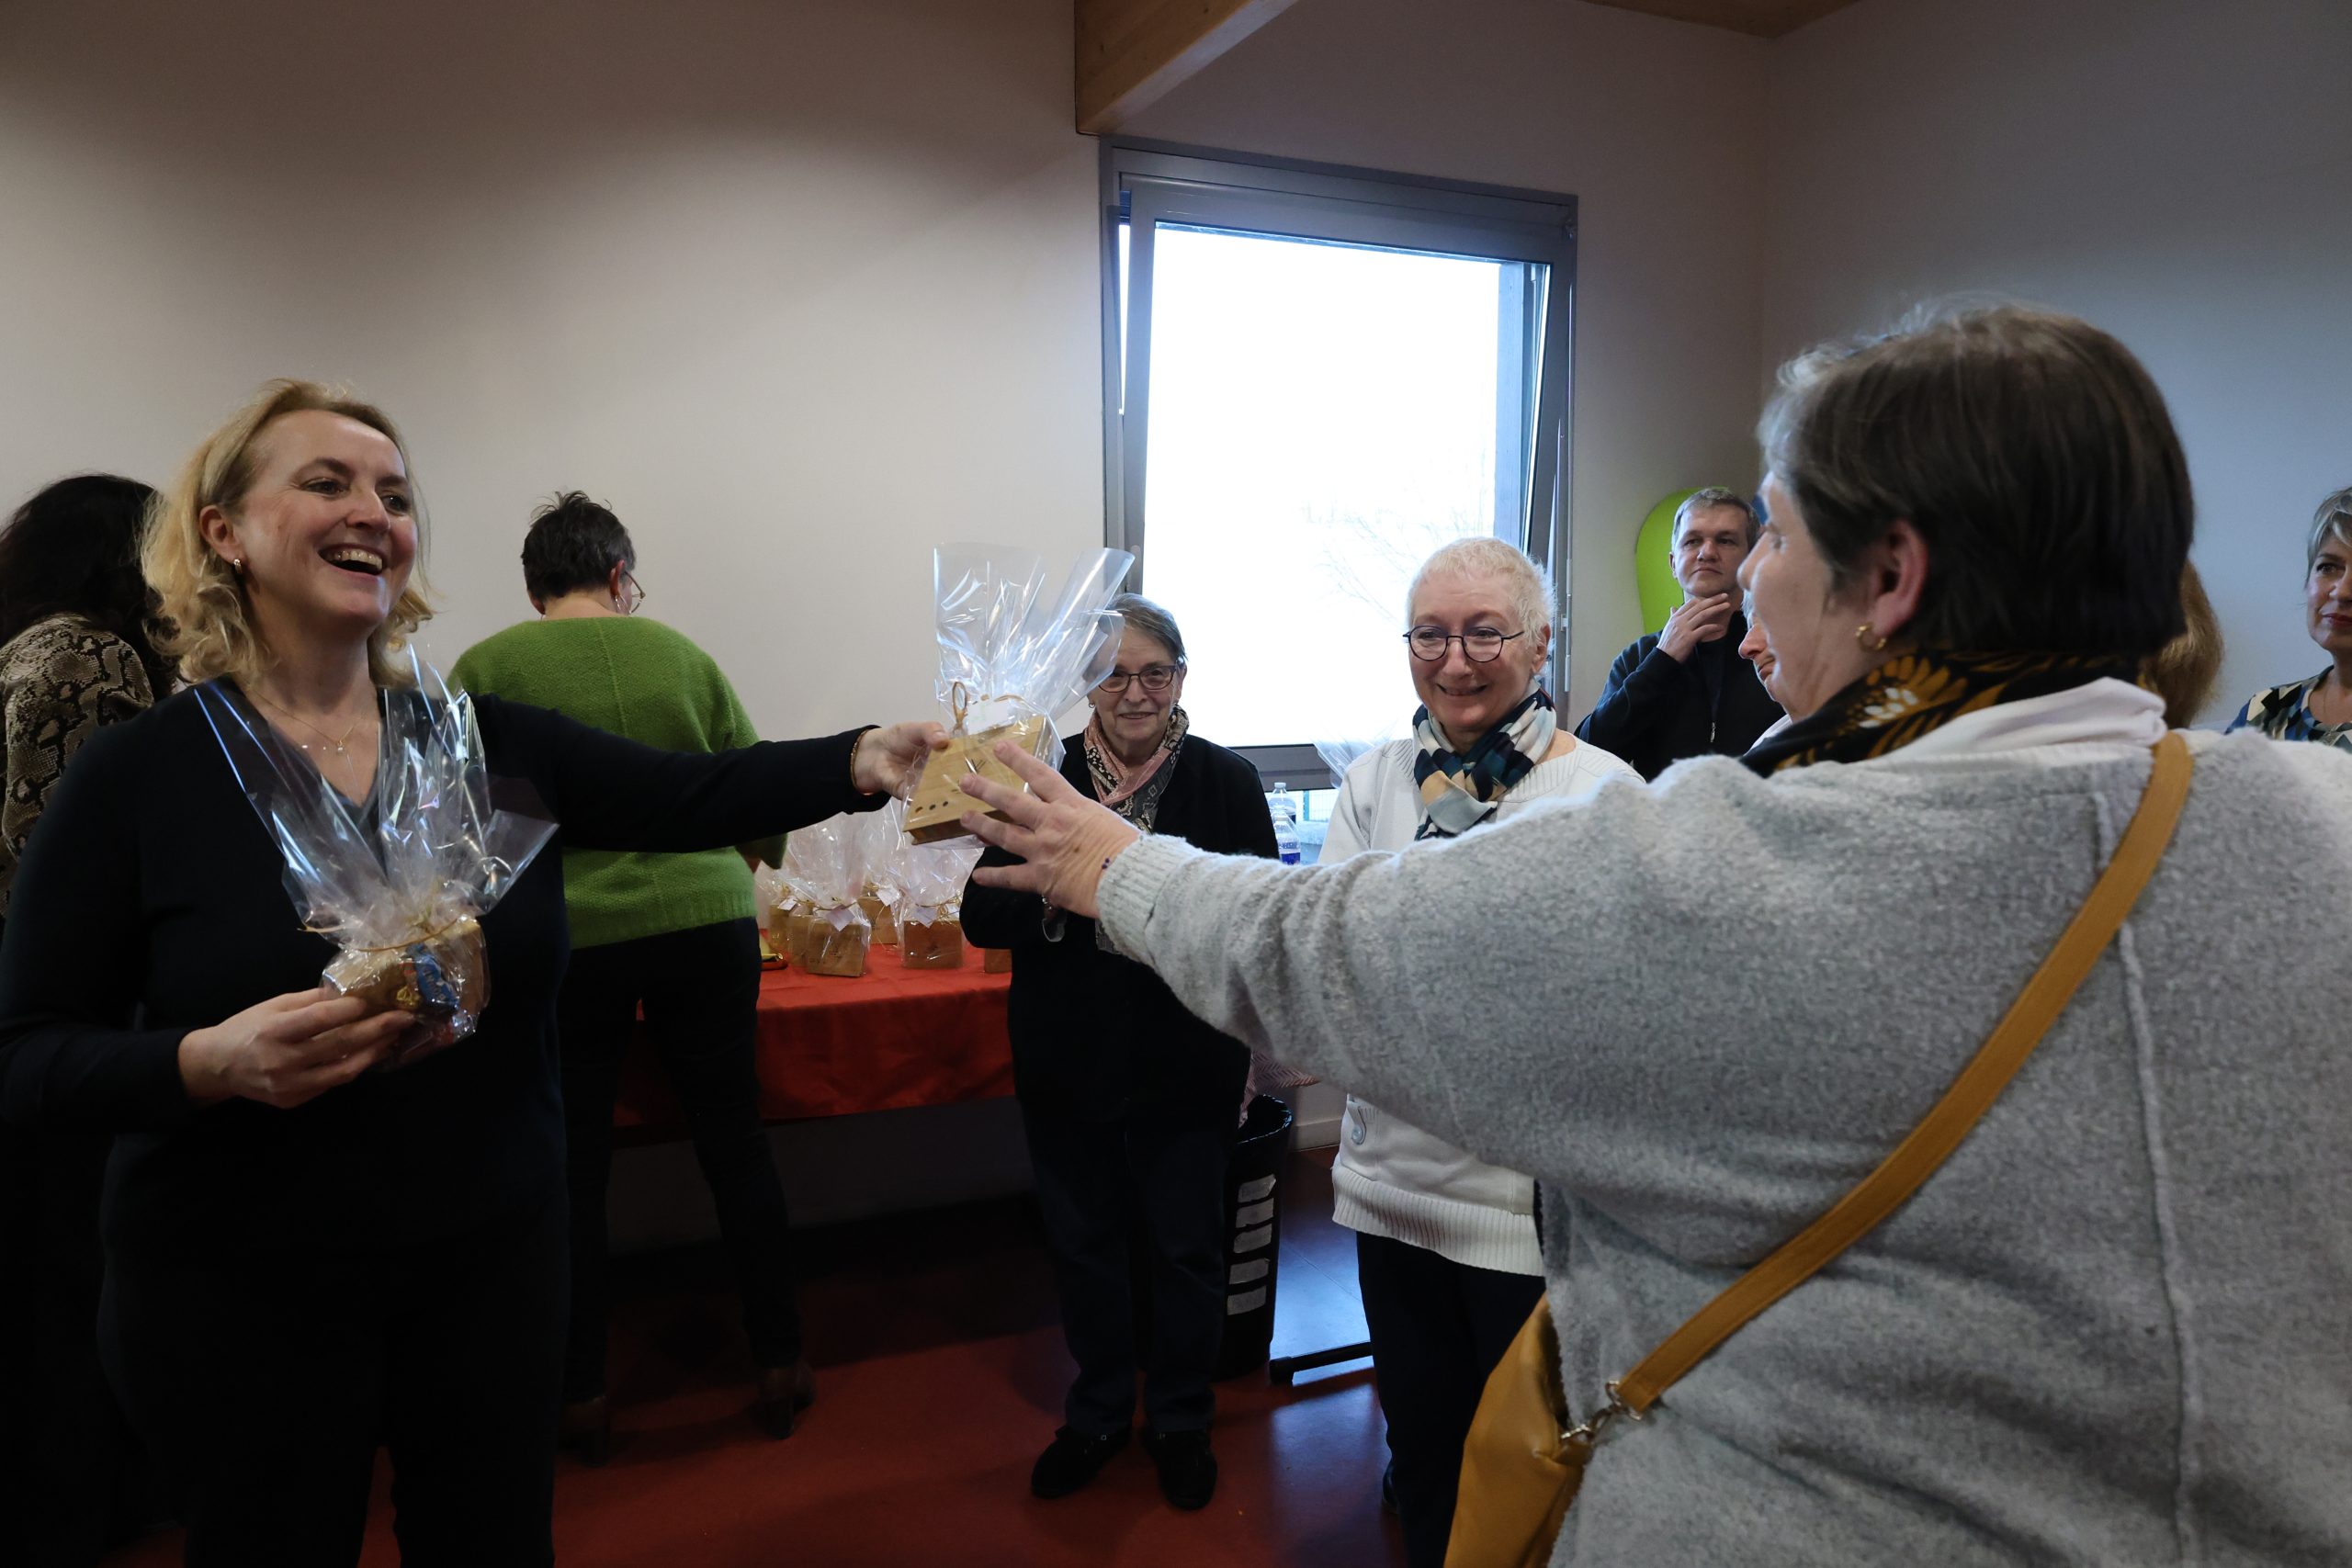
(1524, 1459)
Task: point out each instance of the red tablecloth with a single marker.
(891, 1038)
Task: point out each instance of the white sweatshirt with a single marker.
(1391, 1179)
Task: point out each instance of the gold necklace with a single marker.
(338, 745)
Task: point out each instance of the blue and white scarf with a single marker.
(1461, 790)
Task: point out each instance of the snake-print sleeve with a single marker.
(60, 679)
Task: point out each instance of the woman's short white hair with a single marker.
(1527, 587)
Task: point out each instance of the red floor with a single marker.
(940, 1374)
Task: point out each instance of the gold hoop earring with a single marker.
(1863, 637)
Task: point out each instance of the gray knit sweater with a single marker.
(2114, 1330)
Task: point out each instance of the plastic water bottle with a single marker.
(1283, 808)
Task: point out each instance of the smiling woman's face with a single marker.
(1468, 698)
(1809, 631)
(327, 530)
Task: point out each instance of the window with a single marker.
(1314, 378)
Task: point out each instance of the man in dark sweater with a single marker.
(1686, 691)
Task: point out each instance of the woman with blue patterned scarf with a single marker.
(1446, 1251)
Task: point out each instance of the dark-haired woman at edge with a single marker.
(75, 654)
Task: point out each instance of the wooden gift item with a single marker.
(835, 950)
(931, 945)
(878, 916)
(936, 810)
(783, 941)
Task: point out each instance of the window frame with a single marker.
(1145, 183)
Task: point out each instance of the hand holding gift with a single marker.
(1009, 662)
(403, 890)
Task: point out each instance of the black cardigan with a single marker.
(1658, 709)
(1099, 1036)
(151, 901)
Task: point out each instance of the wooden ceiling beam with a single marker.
(1130, 52)
(1759, 18)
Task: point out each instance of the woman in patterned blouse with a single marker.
(74, 647)
(73, 655)
(2321, 707)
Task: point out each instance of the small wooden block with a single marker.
(936, 810)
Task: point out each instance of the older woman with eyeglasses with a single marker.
(1129, 1100)
(1446, 1250)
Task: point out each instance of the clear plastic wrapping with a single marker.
(880, 837)
(1010, 660)
(832, 934)
(401, 881)
(931, 879)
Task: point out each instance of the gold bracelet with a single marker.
(854, 742)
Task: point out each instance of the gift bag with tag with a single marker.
(931, 878)
(1009, 662)
(880, 842)
(830, 933)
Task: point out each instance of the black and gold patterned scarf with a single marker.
(1912, 694)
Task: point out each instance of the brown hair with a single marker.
(201, 604)
(1707, 499)
(2184, 670)
(2032, 453)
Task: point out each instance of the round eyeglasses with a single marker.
(1480, 644)
(1153, 677)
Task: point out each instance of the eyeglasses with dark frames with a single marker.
(1153, 677)
(1480, 644)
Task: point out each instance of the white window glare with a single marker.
(1322, 417)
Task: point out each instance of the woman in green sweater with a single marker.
(674, 933)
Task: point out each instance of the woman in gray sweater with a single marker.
(2110, 1329)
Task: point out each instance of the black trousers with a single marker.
(700, 991)
(264, 1387)
(1438, 1328)
(1099, 1183)
(73, 1479)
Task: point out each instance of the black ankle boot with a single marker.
(1072, 1460)
(1187, 1469)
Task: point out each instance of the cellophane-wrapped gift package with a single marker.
(1010, 660)
(832, 932)
(931, 881)
(768, 894)
(401, 890)
(880, 835)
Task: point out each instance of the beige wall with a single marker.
(1654, 126)
(802, 290)
(2178, 171)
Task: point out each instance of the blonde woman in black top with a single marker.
(305, 1259)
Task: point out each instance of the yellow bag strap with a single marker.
(1980, 1083)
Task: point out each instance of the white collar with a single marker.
(2104, 712)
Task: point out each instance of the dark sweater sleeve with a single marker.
(612, 794)
(71, 1055)
(1640, 695)
(999, 916)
